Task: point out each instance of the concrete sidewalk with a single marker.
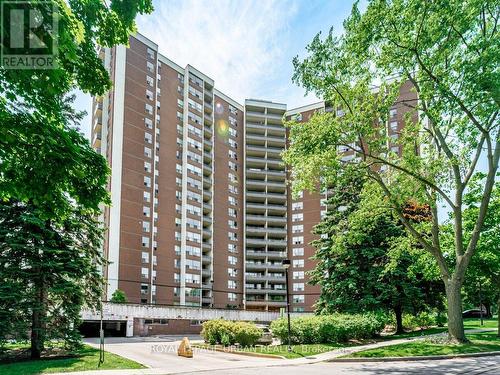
(161, 357)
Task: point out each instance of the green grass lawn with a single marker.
(468, 324)
(476, 323)
(84, 359)
(298, 351)
(480, 342)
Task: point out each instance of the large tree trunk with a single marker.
(498, 313)
(38, 322)
(398, 311)
(455, 321)
(498, 307)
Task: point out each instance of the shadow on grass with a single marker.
(480, 342)
(84, 359)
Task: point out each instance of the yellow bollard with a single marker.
(185, 349)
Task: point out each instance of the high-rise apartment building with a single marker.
(201, 213)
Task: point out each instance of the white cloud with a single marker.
(242, 45)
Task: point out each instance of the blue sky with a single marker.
(246, 46)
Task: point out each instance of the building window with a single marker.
(298, 287)
(151, 54)
(231, 284)
(147, 181)
(146, 226)
(232, 260)
(298, 275)
(298, 298)
(298, 251)
(297, 217)
(231, 297)
(232, 272)
(145, 257)
(394, 126)
(144, 272)
(393, 112)
(297, 228)
(147, 152)
(145, 241)
(146, 211)
(298, 263)
(298, 240)
(297, 206)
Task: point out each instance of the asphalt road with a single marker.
(469, 366)
(160, 355)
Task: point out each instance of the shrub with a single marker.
(119, 296)
(218, 331)
(225, 332)
(329, 328)
(423, 320)
(247, 334)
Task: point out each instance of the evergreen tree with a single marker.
(365, 259)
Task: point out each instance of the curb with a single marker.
(414, 358)
(249, 354)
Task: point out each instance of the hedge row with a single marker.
(423, 320)
(329, 328)
(225, 332)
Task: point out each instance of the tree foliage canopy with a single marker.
(448, 51)
(365, 259)
(52, 184)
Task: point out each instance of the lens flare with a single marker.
(219, 108)
(222, 128)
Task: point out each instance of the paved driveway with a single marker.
(161, 352)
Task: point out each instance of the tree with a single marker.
(448, 51)
(52, 184)
(82, 28)
(49, 270)
(119, 296)
(365, 259)
(485, 266)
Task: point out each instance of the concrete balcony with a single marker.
(273, 243)
(207, 169)
(206, 299)
(206, 272)
(251, 219)
(266, 291)
(265, 303)
(206, 259)
(208, 120)
(96, 143)
(261, 278)
(251, 266)
(255, 116)
(276, 130)
(272, 208)
(207, 145)
(263, 230)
